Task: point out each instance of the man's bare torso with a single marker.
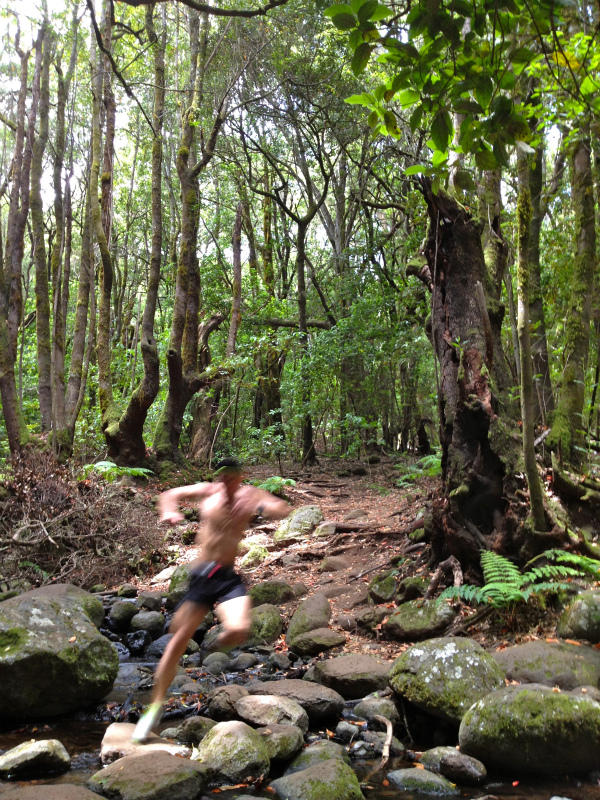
(224, 521)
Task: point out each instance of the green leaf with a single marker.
(408, 98)
(373, 119)
(415, 118)
(361, 57)
(522, 55)
(484, 91)
(391, 123)
(344, 22)
(440, 132)
(366, 10)
(507, 81)
(355, 39)
(500, 153)
(588, 86)
(338, 8)
(439, 157)
(416, 169)
(381, 12)
(361, 100)
(485, 160)
(465, 106)
(464, 180)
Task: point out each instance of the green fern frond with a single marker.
(583, 564)
(498, 569)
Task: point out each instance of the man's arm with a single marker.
(270, 506)
(168, 502)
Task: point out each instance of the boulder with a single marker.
(151, 621)
(151, 776)
(267, 625)
(300, 522)
(316, 753)
(216, 663)
(73, 597)
(454, 765)
(329, 780)
(149, 601)
(382, 588)
(44, 757)
(372, 707)
(532, 729)
(421, 781)
(324, 530)
(279, 661)
(221, 701)
(267, 710)
(334, 564)
(233, 752)
(353, 676)
(374, 741)
(419, 619)
(116, 743)
(369, 618)
(551, 663)
(158, 646)
(243, 661)
(411, 588)
(581, 619)
(255, 554)
(178, 586)
(62, 791)
(445, 676)
(137, 642)
(127, 590)
(317, 641)
(282, 741)
(191, 730)
(273, 592)
(52, 657)
(319, 702)
(312, 613)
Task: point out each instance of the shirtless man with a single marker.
(226, 508)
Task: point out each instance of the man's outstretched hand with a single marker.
(172, 517)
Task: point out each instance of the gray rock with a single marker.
(334, 564)
(116, 744)
(421, 781)
(581, 619)
(376, 740)
(383, 587)
(279, 661)
(353, 676)
(138, 642)
(590, 691)
(157, 648)
(411, 589)
(356, 513)
(346, 732)
(316, 753)
(233, 752)
(445, 676)
(369, 618)
(216, 663)
(121, 614)
(532, 729)
(299, 523)
(192, 730)
(267, 710)
(312, 613)
(149, 601)
(151, 776)
(372, 707)
(330, 780)
(52, 657)
(454, 765)
(44, 757)
(419, 619)
(319, 702)
(62, 791)
(151, 621)
(300, 589)
(282, 741)
(267, 625)
(324, 530)
(243, 661)
(127, 590)
(551, 663)
(221, 701)
(273, 592)
(346, 621)
(317, 641)
(178, 586)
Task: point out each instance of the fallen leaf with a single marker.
(418, 766)
(385, 783)
(515, 783)
(572, 641)
(73, 639)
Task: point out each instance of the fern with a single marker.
(275, 484)
(110, 471)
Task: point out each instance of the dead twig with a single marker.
(385, 754)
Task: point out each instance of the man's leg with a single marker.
(235, 616)
(187, 619)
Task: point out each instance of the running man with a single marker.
(226, 508)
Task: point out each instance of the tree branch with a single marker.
(216, 12)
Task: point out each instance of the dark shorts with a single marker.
(211, 583)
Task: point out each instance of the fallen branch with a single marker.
(385, 754)
(450, 563)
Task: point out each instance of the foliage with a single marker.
(506, 586)
(275, 484)
(110, 471)
(429, 466)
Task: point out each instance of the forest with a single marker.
(298, 231)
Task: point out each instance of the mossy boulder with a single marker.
(382, 588)
(353, 676)
(34, 758)
(267, 625)
(445, 676)
(255, 555)
(151, 776)
(193, 730)
(372, 707)
(411, 589)
(299, 523)
(369, 618)
(320, 703)
(551, 663)
(314, 612)
(419, 619)
(179, 585)
(267, 710)
(316, 753)
(317, 641)
(273, 592)
(233, 752)
(581, 619)
(120, 615)
(535, 730)
(329, 780)
(454, 765)
(127, 590)
(282, 741)
(52, 658)
(91, 606)
(421, 781)
(151, 621)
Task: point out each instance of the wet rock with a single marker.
(216, 663)
(116, 744)
(371, 707)
(317, 641)
(191, 730)
(122, 651)
(329, 780)
(179, 585)
(551, 663)
(376, 739)
(151, 621)
(279, 661)
(369, 618)
(121, 614)
(299, 523)
(243, 661)
(324, 530)
(581, 619)
(157, 648)
(273, 592)
(316, 753)
(532, 729)
(149, 601)
(454, 765)
(314, 612)
(411, 589)
(419, 619)
(282, 741)
(382, 588)
(319, 702)
(63, 791)
(346, 732)
(233, 752)
(445, 676)
(221, 701)
(421, 781)
(151, 776)
(127, 590)
(43, 757)
(267, 625)
(334, 564)
(138, 642)
(266, 710)
(353, 676)
(52, 657)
